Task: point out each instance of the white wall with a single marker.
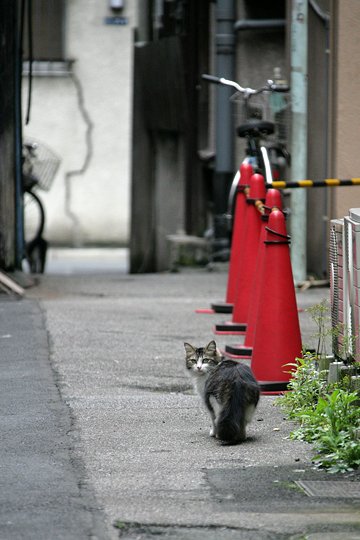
(91, 208)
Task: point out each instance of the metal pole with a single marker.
(143, 34)
(224, 162)
(299, 42)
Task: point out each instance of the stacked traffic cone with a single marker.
(254, 201)
(277, 339)
(273, 201)
(236, 253)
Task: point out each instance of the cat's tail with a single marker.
(232, 420)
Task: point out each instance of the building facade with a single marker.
(81, 109)
(117, 95)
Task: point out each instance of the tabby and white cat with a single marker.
(228, 388)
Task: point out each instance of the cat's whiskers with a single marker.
(228, 388)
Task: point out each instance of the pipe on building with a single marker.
(143, 33)
(299, 73)
(224, 161)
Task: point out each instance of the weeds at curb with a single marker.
(328, 414)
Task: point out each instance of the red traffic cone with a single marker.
(245, 276)
(277, 339)
(237, 350)
(236, 253)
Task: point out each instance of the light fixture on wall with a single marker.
(116, 17)
(116, 5)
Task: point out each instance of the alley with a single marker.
(127, 440)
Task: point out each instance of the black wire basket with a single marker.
(269, 106)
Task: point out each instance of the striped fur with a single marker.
(228, 389)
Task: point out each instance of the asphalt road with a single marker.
(103, 437)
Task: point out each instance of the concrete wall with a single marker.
(91, 207)
(345, 48)
(169, 193)
(258, 52)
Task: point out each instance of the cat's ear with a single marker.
(211, 347)
(189, 348)
(212, 350)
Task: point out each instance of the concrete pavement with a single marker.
(102, 427)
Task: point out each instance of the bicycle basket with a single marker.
(268, 106)
(44, 163)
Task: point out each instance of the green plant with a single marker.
(348, 345)
(333, 426)
(328, 416)
(337, 436)
(320, 314)
(305, 387)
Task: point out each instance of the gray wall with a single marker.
(90, 207)
(158, 183)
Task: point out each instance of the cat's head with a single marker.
(201, 360)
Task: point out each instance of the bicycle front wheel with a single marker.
(34, 217)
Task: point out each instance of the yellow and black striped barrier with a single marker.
(328, 182)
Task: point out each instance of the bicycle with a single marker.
(39, 166)
(263, 125)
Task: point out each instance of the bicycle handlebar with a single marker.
(270, 85)
(211, 78)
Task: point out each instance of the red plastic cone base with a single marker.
(222, 307)
(277, 339)
(238, 351)
(273, 389)
(230, 328)
(225, 354)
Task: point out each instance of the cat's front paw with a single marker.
(212, 432)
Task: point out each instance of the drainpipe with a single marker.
(143, 34)
(224, 132)
(299, 41)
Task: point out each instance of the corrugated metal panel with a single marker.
(344, 255)
(336, 281)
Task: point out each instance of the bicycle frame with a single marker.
(34, 215)
(255, 130)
